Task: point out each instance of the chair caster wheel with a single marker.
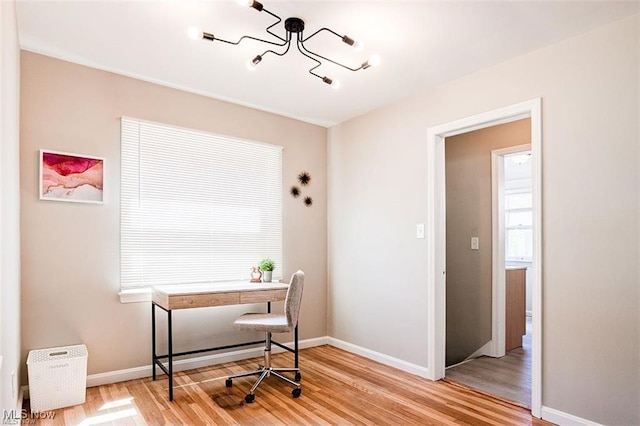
(298, 376)
(296, 392)
(249, 398)
(228, 383)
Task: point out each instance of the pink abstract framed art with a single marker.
(71, 177)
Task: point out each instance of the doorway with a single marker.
(497, 200)
(435, 226)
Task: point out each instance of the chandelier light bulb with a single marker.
(358, 46)
(251, 3)
(335, 84)
(194, 33)
(374, 61)
(251, 65)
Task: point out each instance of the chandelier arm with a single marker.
(279, 19)
(251, 38)
(319, 31)
(318, 63)
(325, 58)
(280, 54)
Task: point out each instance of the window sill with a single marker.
(518, 262)
(135, 295)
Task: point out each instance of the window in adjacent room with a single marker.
(196, 207)
(519, 225)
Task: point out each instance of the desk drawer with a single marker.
(203, 300)
(262, 296)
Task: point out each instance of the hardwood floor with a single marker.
(508, 377)
(339, 388)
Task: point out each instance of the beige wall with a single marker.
(70, 251)
(468, 201)
(378, 185)
(10, 361)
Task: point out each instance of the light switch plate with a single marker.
(475, 243)
(420, 230)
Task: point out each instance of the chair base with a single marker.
(264, 372)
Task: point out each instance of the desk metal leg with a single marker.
(170, 357)
(295, 346)
(153, 340)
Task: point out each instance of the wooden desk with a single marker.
(187, 296)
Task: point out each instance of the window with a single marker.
(519, 225)
(196, 207)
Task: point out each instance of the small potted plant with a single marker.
(267, 266)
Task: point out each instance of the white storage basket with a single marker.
(57, 377)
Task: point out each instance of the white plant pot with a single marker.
(266, 276)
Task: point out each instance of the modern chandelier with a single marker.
(294, 28)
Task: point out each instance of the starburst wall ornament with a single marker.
(304, 178)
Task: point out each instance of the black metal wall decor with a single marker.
(304, 178)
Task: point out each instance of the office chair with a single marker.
(273, 323)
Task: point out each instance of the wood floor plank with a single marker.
(338, 388)
(508, 377)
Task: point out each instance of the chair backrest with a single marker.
(294, 298)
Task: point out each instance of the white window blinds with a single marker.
(196, 207)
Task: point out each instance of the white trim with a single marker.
(191, 363)
(561, 418)
(498, 284)
(436, 226)
(436, 249)
(135, 295)
(57, 54)
(408, 367)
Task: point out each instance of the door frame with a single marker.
(436, 228)
(498, 275)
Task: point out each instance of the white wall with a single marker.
(9, 209)
(377, 195)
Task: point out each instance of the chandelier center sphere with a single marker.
(294, 25)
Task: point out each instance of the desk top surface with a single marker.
(216, 287)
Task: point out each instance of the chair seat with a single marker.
(274, 323)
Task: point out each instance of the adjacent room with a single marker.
(311, 212)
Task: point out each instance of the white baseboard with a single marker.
(408, 367)
(486, 349)
(564, 419)
(191, 363)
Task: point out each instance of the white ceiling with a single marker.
(421, 43)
